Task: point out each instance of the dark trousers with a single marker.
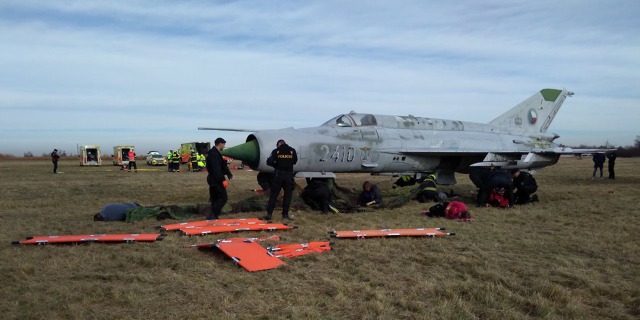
(218, 198)
(595, 168)
(280, 180)
(612, 172)
(55, 166)
(133, 164)
(524, 192)
(317, 198)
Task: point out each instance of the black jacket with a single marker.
(216, 167)
(524, 179)
(283, 158)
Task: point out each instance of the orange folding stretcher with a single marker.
(203, 223)
(235, 228)
(213, 244)
(249, 255)
(295, 250)
(417, 232)
(130, 237)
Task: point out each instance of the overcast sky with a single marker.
(148, 73)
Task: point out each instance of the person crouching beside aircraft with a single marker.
(524, 186)
(318, 196)
(282, 159)
(371, 195)
(427, 190)
(499, 180)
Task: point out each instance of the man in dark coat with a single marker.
(612, 163)
(598, 162)
(54, 159)
(282, 159)
(524, 186)
(480, 178)
(217, 169)
(317, 195)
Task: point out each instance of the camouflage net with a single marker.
(164, 212)
(344, 199)
(396, 198)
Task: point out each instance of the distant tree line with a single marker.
(628, 151)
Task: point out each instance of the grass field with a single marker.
(574, 255)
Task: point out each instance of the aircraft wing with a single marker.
(522, 159)
(566, 150)
(437, 152)
(444, 152)
(227, 129)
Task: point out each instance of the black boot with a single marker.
(286, 216)
(267, 217)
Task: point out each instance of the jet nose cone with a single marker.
(248, 152)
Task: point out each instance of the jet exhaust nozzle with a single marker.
(248, 152)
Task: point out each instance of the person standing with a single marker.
(193, 158)
(612, 163)
(54, 159)
(282, 159)
(175, 161)
(169, 163)
(598, 162)
(201, 161)
(132, 160)
(217, 169)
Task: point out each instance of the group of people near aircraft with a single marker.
(599, 159)
(501, 188)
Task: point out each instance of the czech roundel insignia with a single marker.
(533, 116)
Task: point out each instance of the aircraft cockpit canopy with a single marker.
(352, 120)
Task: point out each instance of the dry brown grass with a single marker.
(572, 256)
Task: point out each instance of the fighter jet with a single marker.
(409, 145)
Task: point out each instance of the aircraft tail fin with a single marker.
(533, 115)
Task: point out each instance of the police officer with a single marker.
(217, 169)
(282, 160)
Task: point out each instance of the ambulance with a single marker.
(90, 155)
(200, 147)
(121, 155)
